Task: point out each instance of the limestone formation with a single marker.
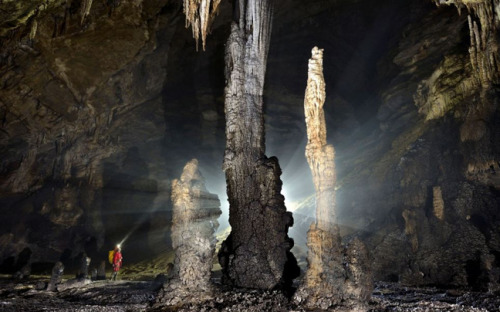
(85, 9)
(484, 24)
(337, 277)
(83, 271)
(256, 253)
(56, 277)
(195, 213)
(200, 15)
(320, 155)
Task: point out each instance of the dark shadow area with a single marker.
(128, 197)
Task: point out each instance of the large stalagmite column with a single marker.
(257, 251)
(194, 222)
(336, 277)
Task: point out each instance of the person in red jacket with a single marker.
(117, 262)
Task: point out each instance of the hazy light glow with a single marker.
(290, 204)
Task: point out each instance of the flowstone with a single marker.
(337, 277)
(194, 222)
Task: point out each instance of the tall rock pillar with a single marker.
(337, 276)
(256, 254)
(320, 155)
(194, 222)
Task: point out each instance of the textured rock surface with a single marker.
(336, 277)
(422, 193)
(68, 161)
(200, 15)
(257, 252)
(195, 213)
(484, 22)
(320, 155)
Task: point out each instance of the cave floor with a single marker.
(133, 295)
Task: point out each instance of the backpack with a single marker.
(111, 255)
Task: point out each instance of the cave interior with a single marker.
(102, 104)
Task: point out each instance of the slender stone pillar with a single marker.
(336, 277)
(320, 155)
(257, 252)
(194, 222)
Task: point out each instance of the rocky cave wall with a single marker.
(100, 111)
(82, 127)
(430, 195)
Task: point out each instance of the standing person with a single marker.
(117, 262)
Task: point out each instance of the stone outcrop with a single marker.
(56, 277)
(257, 252)
(195, 213)
(83, 270)
(336, 277)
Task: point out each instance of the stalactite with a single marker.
(85, 10)
(484, 24)
(328, 283)
(33, 30)
(200, 14)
